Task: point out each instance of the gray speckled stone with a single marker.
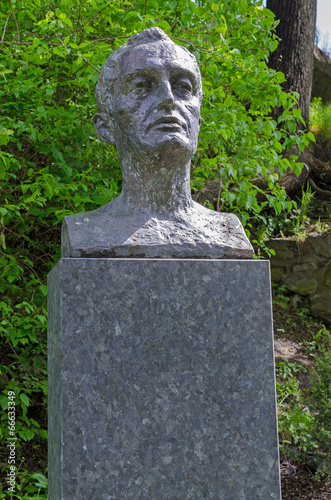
(161, 381)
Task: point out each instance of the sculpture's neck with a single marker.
(158, 186)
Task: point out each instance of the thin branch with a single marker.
(54, 45)
(3, 42)
(51, 44)
(319, 190)
(218, 55)
(111, 40)
(173, 26)
(86, 62)
(176, 19)
(196, 47)
(18, 31)
(4, 30)
(13, 349)
(219, 190)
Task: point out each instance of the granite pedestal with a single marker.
(161, 380)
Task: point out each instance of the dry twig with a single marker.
(18, 31)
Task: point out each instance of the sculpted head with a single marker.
(149, 95)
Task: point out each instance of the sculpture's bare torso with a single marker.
(191, 233)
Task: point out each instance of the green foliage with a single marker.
(52, 163)
(320, 118)
(304, 417)
(294, 223)
(279, 296)
(28, 487)
(295, 419)
(51, 99)
(321, 394)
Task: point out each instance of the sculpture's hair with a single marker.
(111, 68)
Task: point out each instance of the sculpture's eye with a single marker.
(144, 85)
(183, 87)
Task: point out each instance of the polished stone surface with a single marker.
(149, 95)
(161, 380)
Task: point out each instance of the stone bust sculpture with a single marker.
(149, 95)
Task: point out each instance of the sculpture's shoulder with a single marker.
(68, 228)
(195, 232)
(225, 231)
(79, 230)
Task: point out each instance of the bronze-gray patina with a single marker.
(149, 95)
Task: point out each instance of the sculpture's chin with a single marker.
(168, 144)
(171, 143)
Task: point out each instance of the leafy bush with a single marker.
(52, 163)
(34, 486)
(321, 395)
(304, 417)
(295, 420)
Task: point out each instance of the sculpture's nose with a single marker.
(166, 98)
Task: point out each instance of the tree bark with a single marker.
(294, 55)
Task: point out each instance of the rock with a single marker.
(304, 286)
(284, 249)
(322, 304)
(321, 245)
(277, 273)
(289, 470)
(306, 266)
(295, 300)
(306, 271)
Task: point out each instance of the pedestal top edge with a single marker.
(139, 259)
(256, 263)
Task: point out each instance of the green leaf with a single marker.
(29, 434)
(311, 136)
(130, 14)
(22, 434)
(4, 402)
(25, 399)
(279, 77)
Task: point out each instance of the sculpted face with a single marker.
(156, 102)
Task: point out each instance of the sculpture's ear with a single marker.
(104, 126)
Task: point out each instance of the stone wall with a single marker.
(305, 268)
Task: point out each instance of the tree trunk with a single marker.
(294, 55)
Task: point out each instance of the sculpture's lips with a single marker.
(168, 121)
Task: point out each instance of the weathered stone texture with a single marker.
(161, 380)
(303, 286)
(305, 268)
